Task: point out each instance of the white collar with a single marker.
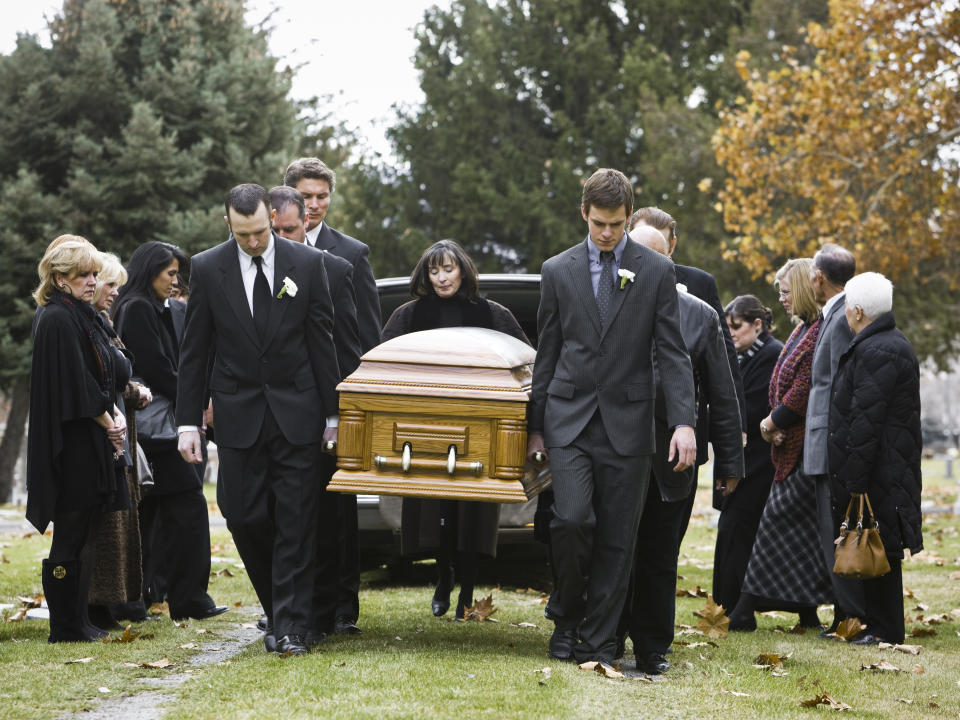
(267, 255)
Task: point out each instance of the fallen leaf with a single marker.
(17, 616)
(922, 632)
(601, 669)
(160, 664)
(78, 661)
(544, 674)
(103, 689)
(159, 609)
(849, 629)
(238, 604)
(882, 666)
(524, 625)
(918, 670)
(922, 607)
(32, 601)
(735, 693)
(480, 610)
(770, 660)
(908, 593)
(695, 592)
(905, 701)
(955, 575)
(695, 644)
(128, 636)
(909, 649)
(955, 612)
(825, 699)
(189, 646)
(713, 621)
(779, 673)
(223, 572)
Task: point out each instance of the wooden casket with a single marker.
(441, 414)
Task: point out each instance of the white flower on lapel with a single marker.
(625, 277)
(289, 288)
(681, 287)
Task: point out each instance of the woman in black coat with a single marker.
(444, 283)
(175, 527)
(875, 441)
(741, 506)
(76, 435)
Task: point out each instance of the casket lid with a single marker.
(448, 362)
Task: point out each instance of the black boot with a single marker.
(809, 618)
(134, 611)
(467, 567)
(742, 618)
(101, 618)
(61, 586)
(441, 596)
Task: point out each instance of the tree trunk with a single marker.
(13, 435)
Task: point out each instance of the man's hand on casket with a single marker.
(329, 442)
(536, 451)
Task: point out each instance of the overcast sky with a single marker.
(360, 48)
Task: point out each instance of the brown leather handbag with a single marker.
(860, 553)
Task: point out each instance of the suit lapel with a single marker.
(278, 306)
(326, 240)
(580, 273)
(232, 283)
(630, 260)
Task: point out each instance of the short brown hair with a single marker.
(655, 217)
(309, 167)
(70, 258)
(607, 189)
(433, 256)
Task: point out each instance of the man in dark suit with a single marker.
(260, 307)
(651, 606)
(290, 222)
(832, 267)
(315, 182)
(700, 284)
(606, 305)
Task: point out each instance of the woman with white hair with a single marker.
(875, 442)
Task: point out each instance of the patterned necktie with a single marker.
(261, 299)
(605, 286)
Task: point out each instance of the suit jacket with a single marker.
(581, 367)
(367, 299)
(346, 334)
(293, 371)
(713, 386)
(701, 284)
(835, 336)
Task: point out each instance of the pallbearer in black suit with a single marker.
(605, 305)
(316, 182)
(700, 284)
(260, 309)
(649, 613)
(289, 222)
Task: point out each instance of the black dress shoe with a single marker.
(270, 642)
(561, 644)
(314, 638)
(653, 664)
(866, 638)
(204, 614)
(263, 623)
(742, 623)
(345, 626)
(441, 595)
(292, 645)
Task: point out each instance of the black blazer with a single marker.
(701, 284)
(364, 285)
(148, 330)
(293, 370)
(346, 335)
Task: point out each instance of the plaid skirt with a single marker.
(787, 562)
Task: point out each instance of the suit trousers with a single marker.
(348, 592)
(268, 494)
(650, 609)
(328, 566)
(598, 498)
(848, 593)
(884, 603)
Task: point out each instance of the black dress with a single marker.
(422, 521)
(70, 461)
(742, 509)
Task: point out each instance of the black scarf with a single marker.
(434, 312)
(97, 346)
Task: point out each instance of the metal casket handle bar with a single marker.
(406, 463)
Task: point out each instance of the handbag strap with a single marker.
(845, 525)
(876, 523)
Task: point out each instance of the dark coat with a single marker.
(476, 523)
(875, 440)
(701, 284)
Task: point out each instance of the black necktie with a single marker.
(261, 299)
(605, 286)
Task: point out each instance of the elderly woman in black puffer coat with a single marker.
(875, 442)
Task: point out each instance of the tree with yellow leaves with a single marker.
(860, 147)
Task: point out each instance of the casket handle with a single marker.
(406, 457)
(452, 460)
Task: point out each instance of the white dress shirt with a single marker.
(313, 234)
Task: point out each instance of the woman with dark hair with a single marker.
(741, 506)
(175, 529)
(76, 435)
(786, 569)
(444, 283)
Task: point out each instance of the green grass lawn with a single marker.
(408, 664)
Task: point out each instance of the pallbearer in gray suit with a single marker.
(832, 267)
(606, 305)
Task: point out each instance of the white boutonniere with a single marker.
(289, 288)
(625, 277)
(681, 287)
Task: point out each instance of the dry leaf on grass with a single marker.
(905, 701)
(481, 610)
(922, 632)
(160, 664)
(695, 592)
(767, 661)
(189, 646)
(160, 609)
(223, 572)
(825, 699)
(908, 593)
(31, 601)
(955, 575)
(882, 666)
(601, 669)
(918, 670)
(711, 643)
(544, 674)
(128, 636)
(17, 616)
(713, 622)
(909, 649)
(735, 693)
(79, 661)
(849, 629)
(524, 625)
